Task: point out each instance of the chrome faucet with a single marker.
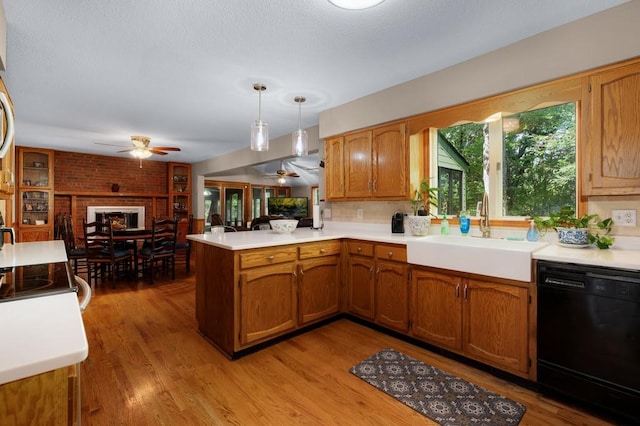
(484, 217)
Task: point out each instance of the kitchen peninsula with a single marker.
(252, 287)
(43, 342)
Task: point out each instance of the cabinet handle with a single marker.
(295, 275)
(375, 185)
(359, 249)
(390, 254)
(371, 273)
(465, 291)
(270, 258)
(322, 251)
(457, 290)
(301, 272)
(378, 274)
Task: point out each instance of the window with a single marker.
(526, 162)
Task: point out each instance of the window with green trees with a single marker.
(525, 161)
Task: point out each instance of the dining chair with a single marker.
(183, 248)
(160, 248)
(64, 231)
(102, 256)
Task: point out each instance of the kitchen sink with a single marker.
(485, 256)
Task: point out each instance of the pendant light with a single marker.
(300, 138)
(259, 128)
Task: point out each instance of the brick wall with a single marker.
(76, 172)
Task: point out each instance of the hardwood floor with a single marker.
(148, 365)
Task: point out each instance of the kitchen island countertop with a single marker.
(39, 334)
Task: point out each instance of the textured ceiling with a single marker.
(182, 71)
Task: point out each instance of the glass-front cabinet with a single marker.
(180, 190)
(35, 194)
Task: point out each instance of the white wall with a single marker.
(600, 39)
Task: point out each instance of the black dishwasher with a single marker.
(589, 335)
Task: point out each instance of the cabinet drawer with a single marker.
(324, 248)
(388, 252)
(271, 256)
(360, 247)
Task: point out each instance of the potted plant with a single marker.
(423, 198)
(578, 231)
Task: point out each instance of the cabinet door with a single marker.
(360, 274)
(334, 168)
(392, 295)
(495, 324)
(614, 132)
(267, 302)
(436, 313)
(389, 162)
(318, 288)
(357, 157)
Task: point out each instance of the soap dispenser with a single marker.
(532, 233)
(444, 225)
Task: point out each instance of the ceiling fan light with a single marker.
(299, 138)
(281, 180)
(259, 128)
(355, 4)
(141, 153)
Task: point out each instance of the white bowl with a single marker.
(284, 226)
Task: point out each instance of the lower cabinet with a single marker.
(392, 287)
(51, 398)
(484, 320)
(360, 279)
(247, 297)
(318, 288)
(378, 283)
(268, 302)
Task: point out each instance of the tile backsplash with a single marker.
(381, 211)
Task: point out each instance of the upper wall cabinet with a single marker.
(334, 168)
(612, 132)
(375, 164)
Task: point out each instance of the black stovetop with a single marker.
(20, 282)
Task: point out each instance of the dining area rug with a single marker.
(442, 397)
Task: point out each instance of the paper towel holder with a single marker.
(321, 221)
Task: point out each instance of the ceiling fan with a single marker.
(141, 148)
(281, 174)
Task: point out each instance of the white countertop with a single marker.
(32, 253)
(625, 253)
(256, 239)
(39, 334)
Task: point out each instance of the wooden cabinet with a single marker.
(372, 163)
(392, 287)
(360, 279)
(612, 132)
(180, 191)
(247, 297)
(484, 320)
(34, 204)
(334, 168)
(268, 304)
(51, 398)
(378, 283)
(319, 281)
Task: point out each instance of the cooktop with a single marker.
(21, 282)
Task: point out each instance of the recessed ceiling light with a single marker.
(355, 4)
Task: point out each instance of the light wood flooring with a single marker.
(148, 365)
